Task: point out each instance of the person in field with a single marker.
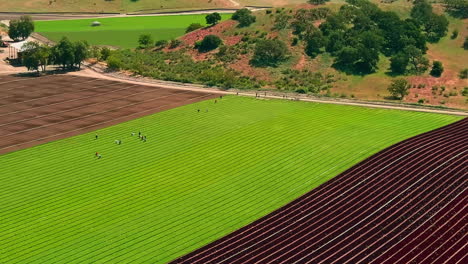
(216, 101)
(96, 137)
(198, 110)
(97, 154)
(133, 134)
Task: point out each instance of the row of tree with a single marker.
(67, 54)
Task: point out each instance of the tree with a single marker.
(145, 40)
(281, 21)
(213, 19)
(437, 69)
(435, 26)
(399, 88)
(81, 52)
(35, 56)
(317, 2)
(465, 44)
(244, 16)
(458, 8)
(209, 42)
(64, 53)
(314, 42)
(22, 28)
(269, 52)
(417, 62)
(399, 63)
(193, 27)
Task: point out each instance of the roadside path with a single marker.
(98, 73)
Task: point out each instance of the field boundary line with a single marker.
(99, 73)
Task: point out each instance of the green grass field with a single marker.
(199, 177)
(120, 32)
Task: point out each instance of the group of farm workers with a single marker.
(119, 142)
(140, 135)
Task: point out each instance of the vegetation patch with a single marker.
(190, 183)
(120, 32)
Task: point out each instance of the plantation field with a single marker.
(122, 31)
(119, 6)
(200, 176)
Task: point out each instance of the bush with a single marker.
(105, 53)
(269, 52)
(463, 74)
(213, 19)
(399, 88)
(210, 42)
(244, 16)
(161, 43)
(454, 34)
(193, 27)
(437, 69)
(145, 40)
(175, 43)
(114, 64)
(465, 44)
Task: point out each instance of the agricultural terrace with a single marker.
(120, 31)
(200, 175)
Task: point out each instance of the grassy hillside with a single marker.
(128, 6)
(119, 32)
(372, 86)
(197, 178)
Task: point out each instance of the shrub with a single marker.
(421, 101)
(465, 44)
(399, 88)
(244, 16)
(114, 64)
(437, 69)
(465, 91)
(210, 42)
(454, 34)
(175, 43)
(145, 40)
(105, 53)
(463, 74)
(193, 27)
(161, 43)
(269, 52)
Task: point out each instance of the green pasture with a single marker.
(120, 31)
(200, 176)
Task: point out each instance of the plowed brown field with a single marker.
(42, 109)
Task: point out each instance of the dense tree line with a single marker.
(65, 53)
(360, 32)
(457, 7)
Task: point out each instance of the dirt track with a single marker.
(39, 110)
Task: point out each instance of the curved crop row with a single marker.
(383, 210)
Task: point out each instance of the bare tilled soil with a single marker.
(36, 110)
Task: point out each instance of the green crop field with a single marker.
(121, 31)
(198, 177)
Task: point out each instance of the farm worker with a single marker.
(133, 134)
(139, 133)
(144, 139)
(96, 137)
(99, 156)
(116, 141)
(120, 142)
(198, 110)
(216, 101)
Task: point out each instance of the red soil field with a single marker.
(38, 110)
(406, 204)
